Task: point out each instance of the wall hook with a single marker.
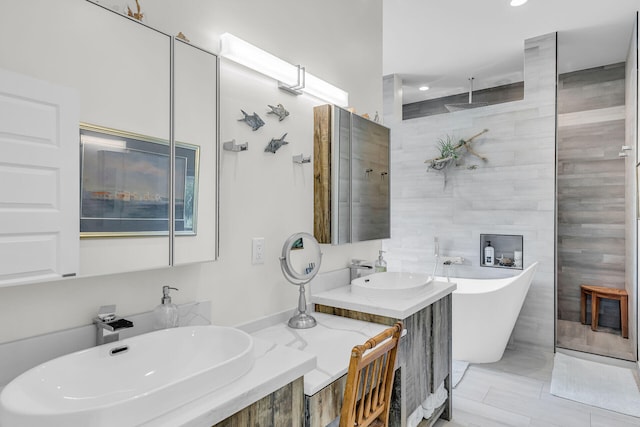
(232, 146)
(300, 159)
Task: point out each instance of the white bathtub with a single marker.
(484, 314)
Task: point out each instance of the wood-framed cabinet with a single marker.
(352, 180)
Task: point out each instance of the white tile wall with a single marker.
(513, 192)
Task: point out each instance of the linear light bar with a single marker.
(292, 78)
(250, 56)
(328, 92)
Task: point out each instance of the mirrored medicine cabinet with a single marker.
(351, 171)
(134, 80)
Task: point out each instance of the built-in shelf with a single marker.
(506, 247)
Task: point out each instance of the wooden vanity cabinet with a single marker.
(283, 407)
(424, 357)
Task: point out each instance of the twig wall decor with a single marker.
(451, 152)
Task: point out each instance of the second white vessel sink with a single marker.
(128, 382)
(390, 282)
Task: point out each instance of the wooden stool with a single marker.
(598, 292)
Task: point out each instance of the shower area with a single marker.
(596, 211)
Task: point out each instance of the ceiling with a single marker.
(441, 43)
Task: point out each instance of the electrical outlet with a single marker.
(257, 250)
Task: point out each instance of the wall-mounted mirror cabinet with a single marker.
(167, 122)
(351, 170)
(196, 182)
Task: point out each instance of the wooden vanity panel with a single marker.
(284, 407)
(416, 358)
(357, 315)
(441, 342)
(288, 404)
(324, 406)
(322, 173)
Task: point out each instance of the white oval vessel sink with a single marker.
(127, 382)
(380, 283)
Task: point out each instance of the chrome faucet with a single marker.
(447, 264)
(108, 325)
(356, 267)
(436, 253)
(448, 261)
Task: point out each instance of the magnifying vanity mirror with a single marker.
(300, 262)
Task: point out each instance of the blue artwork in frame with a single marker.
(125, 184)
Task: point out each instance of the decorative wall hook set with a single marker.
(368, 171)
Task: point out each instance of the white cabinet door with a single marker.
(39, 180)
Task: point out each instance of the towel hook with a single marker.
(233, 146)
(300, 159)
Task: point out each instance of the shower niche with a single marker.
(507, 251)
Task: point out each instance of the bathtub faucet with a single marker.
(447, 264)
(436, 253)
(448, 260)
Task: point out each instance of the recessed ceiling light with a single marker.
(423, 88)
(518, 2)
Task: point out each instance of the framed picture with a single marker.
(125, 183)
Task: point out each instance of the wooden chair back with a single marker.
(367, 396)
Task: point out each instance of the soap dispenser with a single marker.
(166, 314)
(489, 255)
(381, 264)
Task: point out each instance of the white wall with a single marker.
(512, 193)
(261, 194)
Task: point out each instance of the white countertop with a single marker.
(275, 366)
(320, 354)
(331, 341)
(398, 305)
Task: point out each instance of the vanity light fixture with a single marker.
(515, 3)
(292, 78)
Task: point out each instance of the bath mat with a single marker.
(595, 384)
(458, 369)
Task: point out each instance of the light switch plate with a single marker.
(257, 250)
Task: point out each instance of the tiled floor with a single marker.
(605, 341)
(515, 392)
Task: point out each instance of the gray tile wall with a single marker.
(512, 193)
(631, 101)
(493, 95)
(591, 188)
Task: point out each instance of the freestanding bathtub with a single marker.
(484, 314)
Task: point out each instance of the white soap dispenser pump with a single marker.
(166, 314)
(381, 264)
(489, 254)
